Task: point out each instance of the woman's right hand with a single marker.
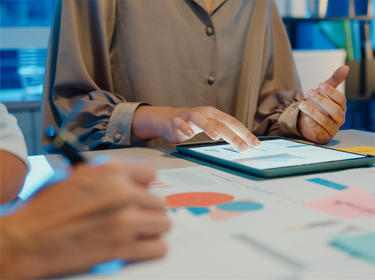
(100, 213)
(180, 124)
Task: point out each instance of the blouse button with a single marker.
(211, 80)
(117, 137)
(209, 30)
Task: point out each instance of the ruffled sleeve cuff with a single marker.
(288, 121)
(119, 127)
(101, 120)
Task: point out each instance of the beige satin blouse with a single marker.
(106, 57)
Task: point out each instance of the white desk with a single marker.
(286, 239)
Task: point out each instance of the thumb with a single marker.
(338, 76)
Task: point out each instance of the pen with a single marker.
(67, 143)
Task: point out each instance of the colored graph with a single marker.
(218, 206)
(197, 199)
(240, 206)
(231, 150)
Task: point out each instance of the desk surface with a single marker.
(292, 225)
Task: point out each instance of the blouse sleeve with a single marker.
(78, 90)
(277, 109)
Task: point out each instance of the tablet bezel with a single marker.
(277, 171)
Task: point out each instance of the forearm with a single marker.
(13, 172)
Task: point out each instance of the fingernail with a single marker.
(214, 134)
(244, 147)
(190, 132)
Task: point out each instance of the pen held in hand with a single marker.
(67, 143)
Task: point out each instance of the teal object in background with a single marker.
(356, 39)
(359, 246)
(309, 36)
(373, 26)
(334, 30)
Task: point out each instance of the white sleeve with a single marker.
(11, 138)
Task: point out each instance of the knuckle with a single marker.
(209, 109)
(176, 121)
(195, 115)
(119, 218)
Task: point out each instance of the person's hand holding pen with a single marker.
(323, 112)
(98, 214)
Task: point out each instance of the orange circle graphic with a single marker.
(196, 199)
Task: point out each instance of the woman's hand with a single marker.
(100, 213)
(324, 110)
(180, 124)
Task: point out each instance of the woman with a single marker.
(221, 67)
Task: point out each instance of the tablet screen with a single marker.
(276, 153)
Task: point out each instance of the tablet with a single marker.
(275, 157)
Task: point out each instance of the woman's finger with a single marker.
(338, 76)
(216, 130)
(331, 109)
(239, 128)
(204, 124)
(145, 250)
(151, 223)
(324, 121)
(332, 93)
(312, 130)
(182, 125)
(147, 200)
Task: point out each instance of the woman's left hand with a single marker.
(323, 112)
